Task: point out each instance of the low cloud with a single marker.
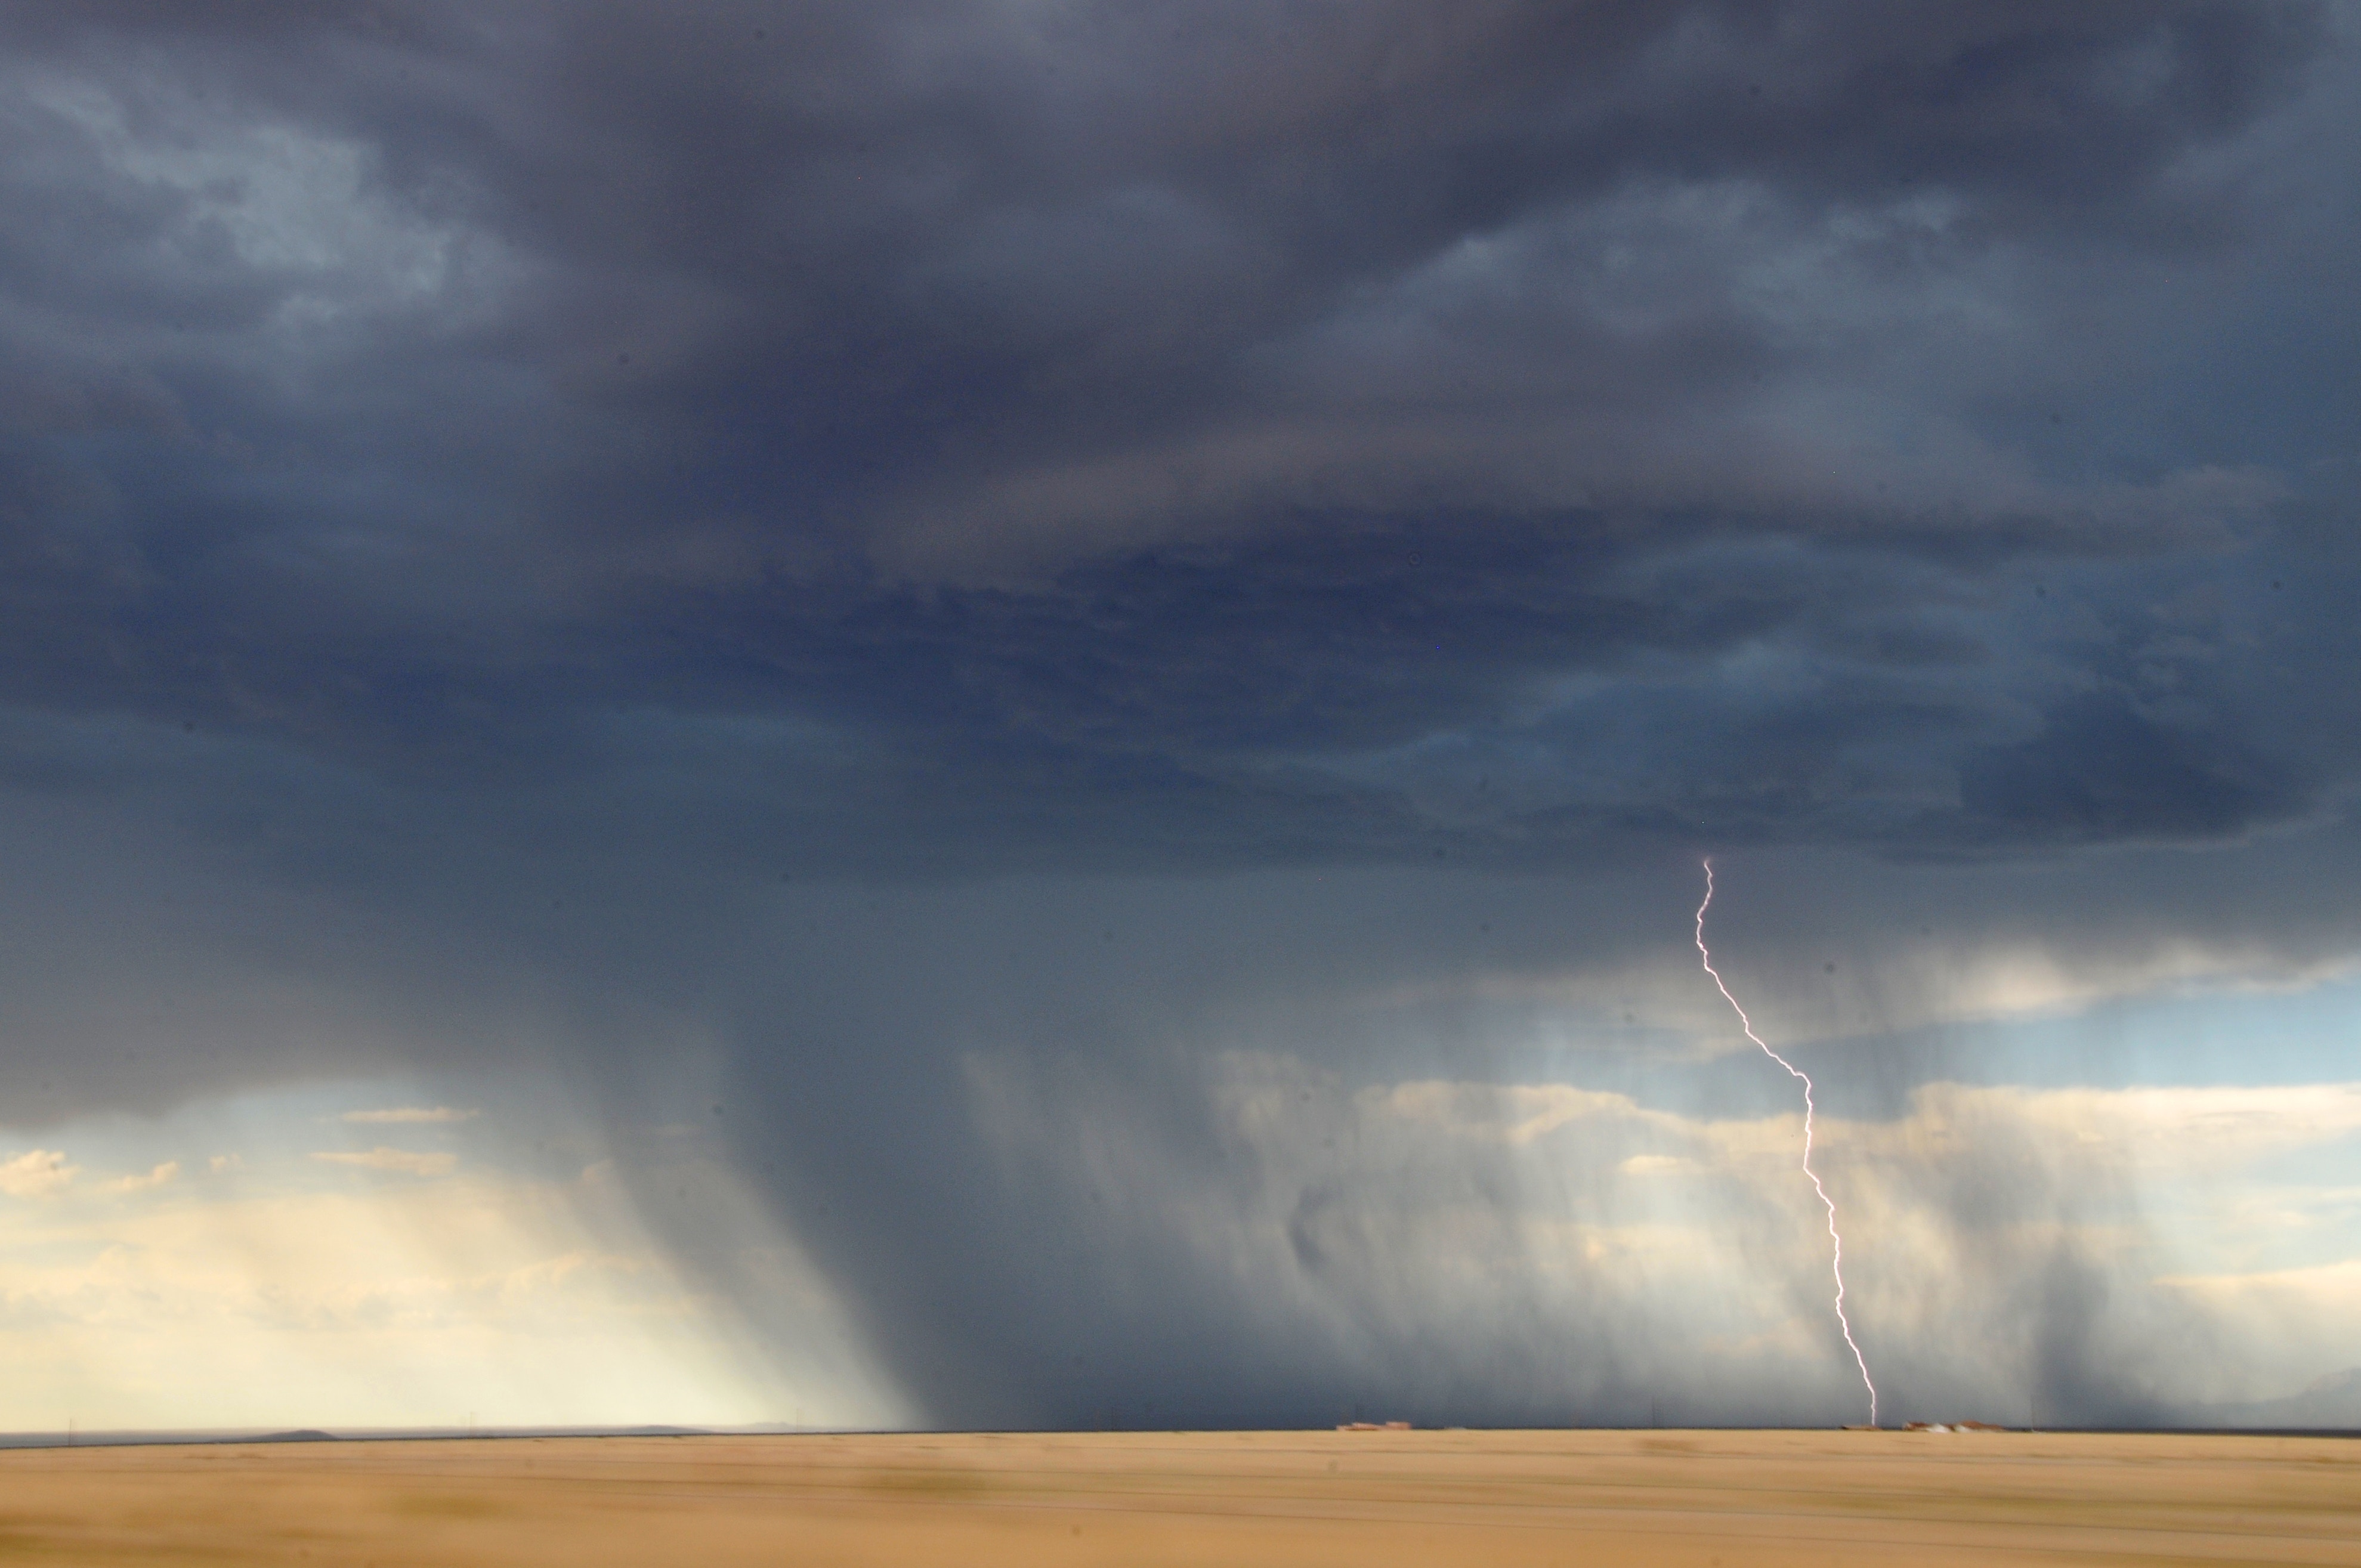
(413, 1303)
(163, 1175)
(2189, 1131)
(408, 1114)
(413, 1162)
(2011, 1253)
(37, 1173)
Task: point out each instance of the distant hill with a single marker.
(2332, 1402)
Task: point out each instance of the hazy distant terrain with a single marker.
(2332, 1403)
(1502, 1499)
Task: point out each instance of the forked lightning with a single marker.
(1834, 1237)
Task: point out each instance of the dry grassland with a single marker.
(1501, 1499)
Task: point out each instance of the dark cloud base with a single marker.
(420, 393)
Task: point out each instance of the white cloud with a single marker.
(222, 1163)
(2170, 1128)
(415, 1162)
(1513, 1114)
(163, 1175)
(329, 1303)
(37, 1173)
(2329, 1288)
(406, 1113)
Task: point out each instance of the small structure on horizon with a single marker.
(1955, 1426)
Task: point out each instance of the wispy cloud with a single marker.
(163, 1175)
(415, 1113)
(37, 1173)
(413, 1161)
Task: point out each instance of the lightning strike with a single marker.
(1835, 1237)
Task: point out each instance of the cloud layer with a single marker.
(1373, 433)
(949, 573)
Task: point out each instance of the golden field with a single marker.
(1500, 1498)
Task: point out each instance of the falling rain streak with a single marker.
(1834, 1237)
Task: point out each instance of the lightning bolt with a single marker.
(1800, 1076)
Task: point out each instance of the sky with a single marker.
(1005, 713)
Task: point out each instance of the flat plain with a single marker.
(1500, 1498)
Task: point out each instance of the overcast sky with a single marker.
(1025, 697)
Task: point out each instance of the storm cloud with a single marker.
(1062, 603)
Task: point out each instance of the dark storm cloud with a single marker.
(1168, 419)
(486, 495)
